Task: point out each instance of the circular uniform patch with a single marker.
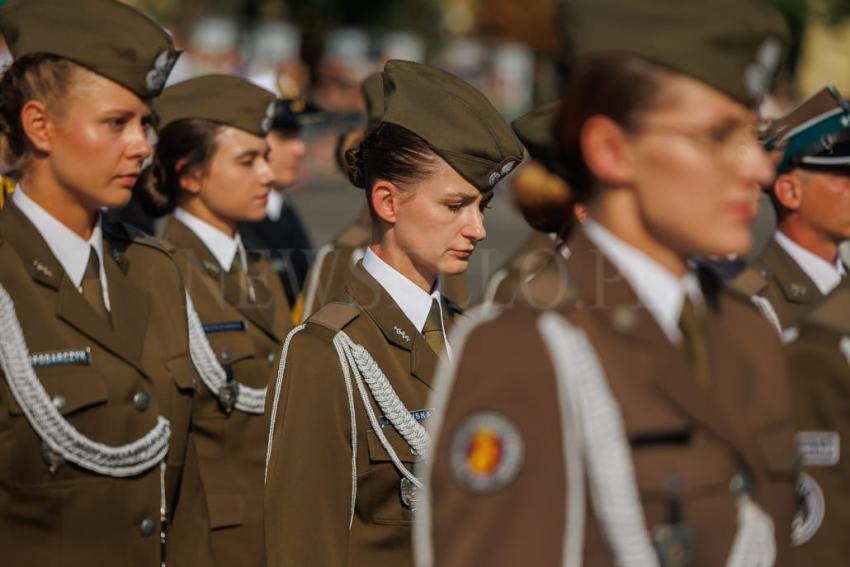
(811, 508)
(487, 452)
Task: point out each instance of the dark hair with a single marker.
(389, 152)
(191, 141)
(620, 87)
(42, 77)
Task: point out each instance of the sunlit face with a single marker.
(440, 220)
(287, 152)
(698, 169)
(98, 141)
(825, 203)
(237, 181)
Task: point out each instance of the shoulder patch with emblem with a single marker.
(487, 452)
(811, 508)
(335, 316)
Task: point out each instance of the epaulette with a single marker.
(834, 311)
(749, 282)
(335, 315)
(128, 232)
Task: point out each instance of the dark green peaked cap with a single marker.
(735, 46)
(454, 118)
(372, 88)
(110, 38)
(225, 99)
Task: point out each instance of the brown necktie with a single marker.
(433, 329)
(693, 342)
(92, 289)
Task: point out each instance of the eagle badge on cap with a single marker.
(760, 74)
(266, 124)
(496, 176)
(487, 452)
(157, 76)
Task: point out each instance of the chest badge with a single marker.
(487, 452)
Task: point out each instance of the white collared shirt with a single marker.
(414, 301)
(661, 292)
(67, 246)
(222, 246)
(825, 275)
(274, 205)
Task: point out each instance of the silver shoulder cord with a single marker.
(248, 400)
(599, 444)
(63, 438)
(356, 362)
(768, 312)
(56, 432)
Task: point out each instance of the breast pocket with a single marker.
(70, 389)
(381, 483)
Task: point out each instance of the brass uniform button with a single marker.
(59, 402)
(147, 527)
(141, 400)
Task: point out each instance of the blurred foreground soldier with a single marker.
(647, 422)
(210, 169)
(351, 392)
(334, 261)
(97, 382)
(536, 271)
(281, 234)
(811, 193)
(819, 363)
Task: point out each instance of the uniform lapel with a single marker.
(795, 284)
(227, 283)
(129, 302)
(615, 307)
(71, 306)
(394, 325)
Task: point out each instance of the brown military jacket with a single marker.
(690, 446)
(819, 361)
(776, 277)
(508, 280)
(310, 516)
(331, 270)
(124, 376)
(246, 337)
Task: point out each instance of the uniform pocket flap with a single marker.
(70, 390)
(377, 453)
(226, 510)
(182, 371)
(777, 445)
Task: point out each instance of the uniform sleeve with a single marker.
(308, 484)
(820, 381)
(497, 479)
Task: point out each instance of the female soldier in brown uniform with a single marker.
(647, 422)
(211, 169)
(353, 383)
(97, 381)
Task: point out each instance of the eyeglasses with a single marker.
(727, 142)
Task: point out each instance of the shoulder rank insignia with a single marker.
(486, 453)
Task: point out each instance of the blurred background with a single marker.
(510, 49)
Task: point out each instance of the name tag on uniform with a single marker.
(224, 327)
(78, 357)
(419, 415)
(819, 448)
